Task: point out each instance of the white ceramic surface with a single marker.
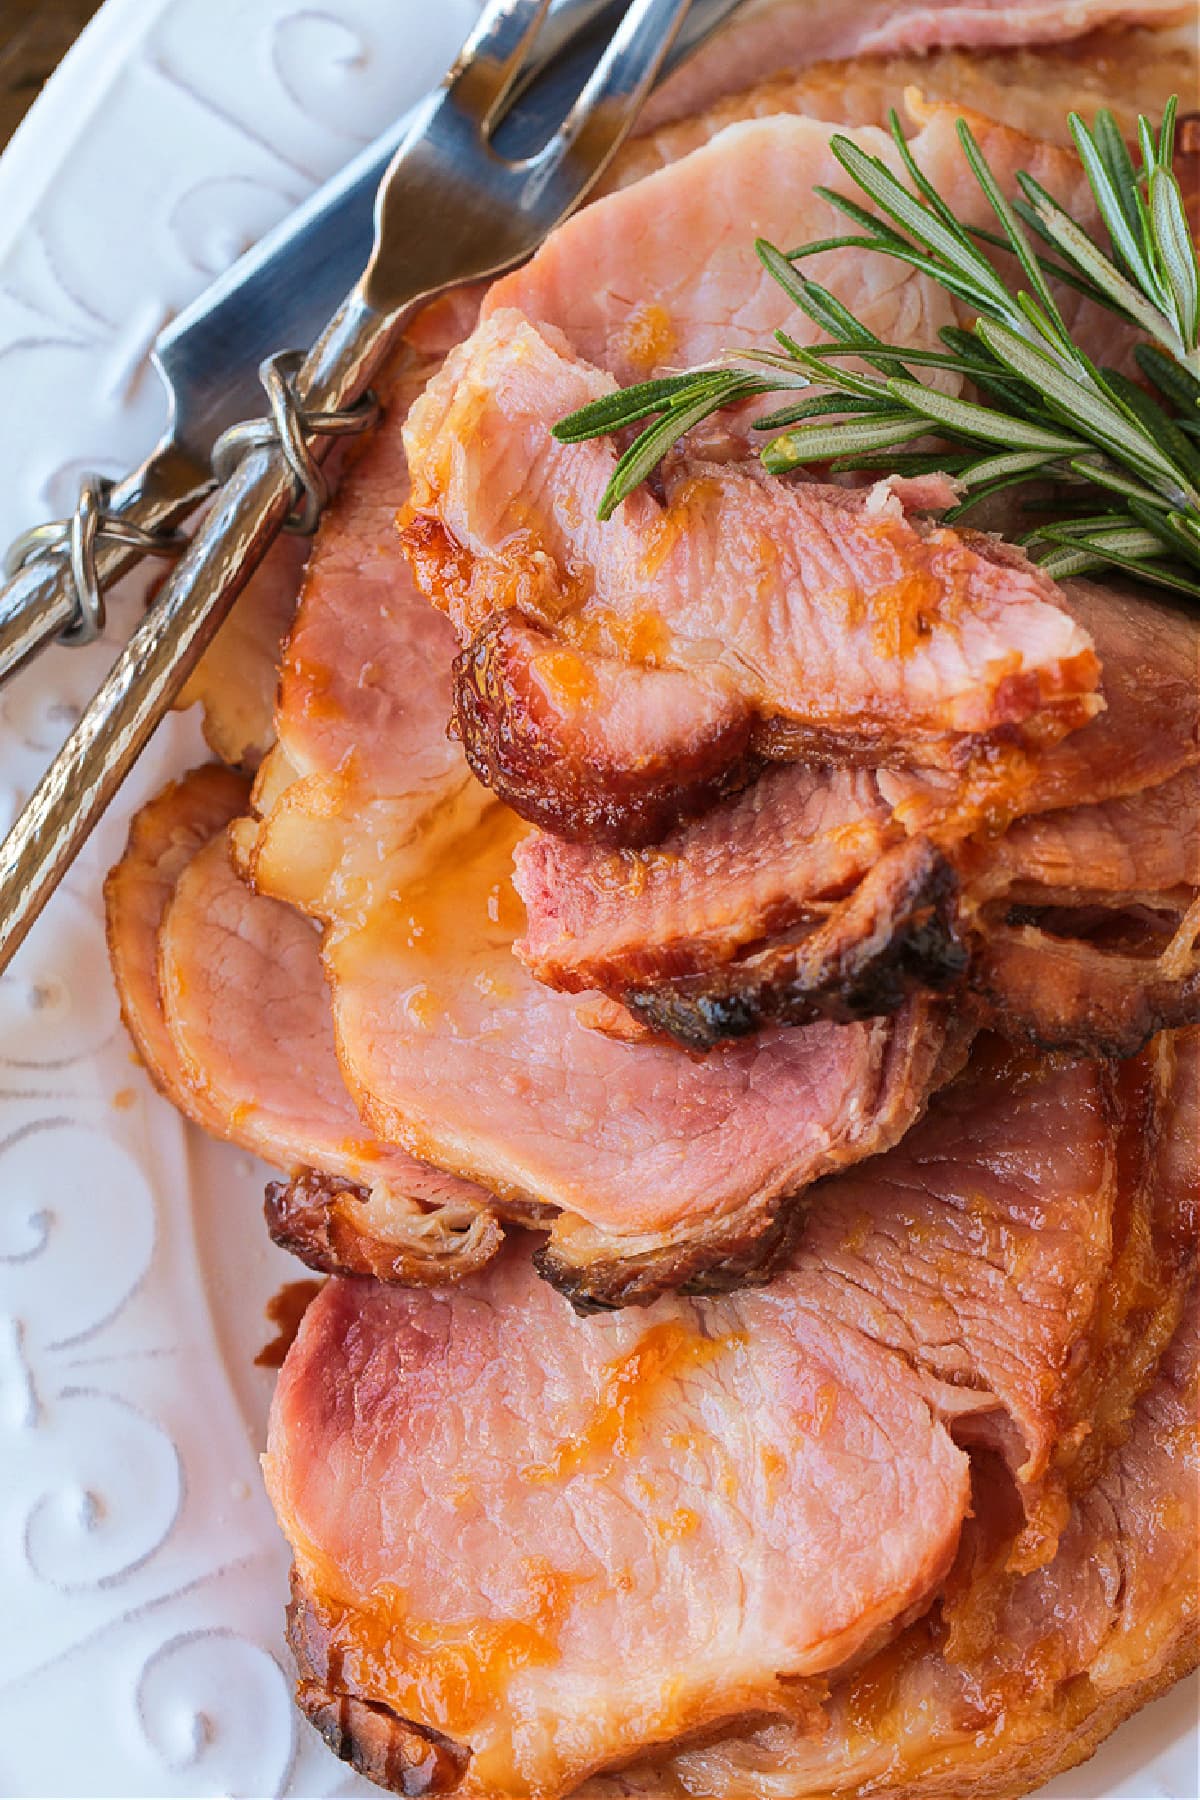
(142, 1580)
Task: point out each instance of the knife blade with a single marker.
(280, 291)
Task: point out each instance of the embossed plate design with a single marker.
(142, 1579)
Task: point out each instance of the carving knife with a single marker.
(281, 291)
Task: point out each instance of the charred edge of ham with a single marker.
(394, 1753)
(308, 1217)
(300, 1219)
(521, 748)
(1059, 993)
(897, 933)
(606, 1277)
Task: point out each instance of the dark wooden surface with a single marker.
(34, 36)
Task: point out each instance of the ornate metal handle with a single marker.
(278, 467)
(76, 541)
(59, 573)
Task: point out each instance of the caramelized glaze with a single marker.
(452, 1674)
(630, 1388)
(285, 1310)
(464, 896)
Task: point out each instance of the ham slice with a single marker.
(364, 697)
(163, 838)
(663, 1169)
(871, 634)
(425, 1450)
(645, 308)
(223, 996)
(781, 34)
(1022, 1241)
(1131, 69)
(1075, 1649)
(234, 682)
(552, 1541)
(672, 275)
(783, 851)
(757, 912)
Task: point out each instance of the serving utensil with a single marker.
(282, 291)
(450, 209)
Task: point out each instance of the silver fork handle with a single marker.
(246, 516)
(59, 573)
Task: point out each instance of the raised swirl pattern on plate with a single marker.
(217, 1707)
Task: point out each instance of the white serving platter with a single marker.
(142, 1579)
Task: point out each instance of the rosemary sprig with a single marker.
(1044, 411)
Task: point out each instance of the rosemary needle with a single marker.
(1044, 412)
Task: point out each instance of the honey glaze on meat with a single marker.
(720, 1533)
(662, 1168)
(622, 1530)
(553, 1539)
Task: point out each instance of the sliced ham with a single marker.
(801, 898)
(785, 850)
(897, 934)
(163, 838)
(663, 1169)
(781, 34)
(426, 1449)
(235, 680)
(871, 633)
(1021, 1242)
(1147, 731)
(1131, 69)
(753, 912)
(363, 756)
(552, 1541)
(1058, 989)
(672, 275)
(643, 310)
(223, 995)
(1072, 1649)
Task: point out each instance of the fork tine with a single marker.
(492, 57)
(622, 78)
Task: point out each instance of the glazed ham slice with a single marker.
(163, 838)
(551, 1541)
(969, 1262)
(871, 634)
(800, 898)
(1025, 1241)
(663, 1169)
(1071, 1650)
(803, 897)
(780, 34)
(364, 696)
(1147, 731)
(235, 680)
(758, 911)
(223, 996)
(1128, 68)
(672, 275)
